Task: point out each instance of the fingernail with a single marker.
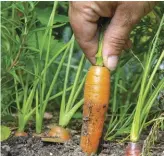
(111, 62)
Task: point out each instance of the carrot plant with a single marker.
(70, 102)
(42, 102)
(42, 95)
(145, 99)
(40, 108)
(24, 100)
(68, 108)
(121, 114)
(96, 99)
(125, 87)
(16, 30)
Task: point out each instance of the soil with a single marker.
(33, 146)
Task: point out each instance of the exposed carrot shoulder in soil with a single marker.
(60, 133)
(133, 149)
(20, 133)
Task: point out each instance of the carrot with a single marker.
(133, 149)
(20, 133)
(60, 133)
(96, 99)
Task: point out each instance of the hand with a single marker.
(124, 15)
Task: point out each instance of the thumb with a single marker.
(116, 37)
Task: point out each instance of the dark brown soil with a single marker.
(33, 146)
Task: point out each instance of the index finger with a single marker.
(84, 24)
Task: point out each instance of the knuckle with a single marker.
(135, 19)
(85, 10)
(117, 40)
(87, 46)
(127, 15)
(129, 19)
(117, 43)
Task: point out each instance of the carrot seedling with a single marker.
(68, 108)
(145, 99)
(121, 118)
(43, 96)
(26, 97)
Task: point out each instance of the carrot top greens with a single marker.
(99, 59)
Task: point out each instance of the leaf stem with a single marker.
(99, 59)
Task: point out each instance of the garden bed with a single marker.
(33, 146)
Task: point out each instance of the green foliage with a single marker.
(127, 79)
(5, 132)
(69, 108)
(35, 51)
(153, 136)
(44, 14)
(99, 59)
(146, 100)
(25, 55)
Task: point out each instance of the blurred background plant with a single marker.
(34, 42)
(27, 37)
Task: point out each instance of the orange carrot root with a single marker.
(96, 99)
(133, 149)
(59, 132)
(18, 133)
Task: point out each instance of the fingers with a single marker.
(128, 44)
(111, 61)
(84, 17)
(84, 24)
(116, 38)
